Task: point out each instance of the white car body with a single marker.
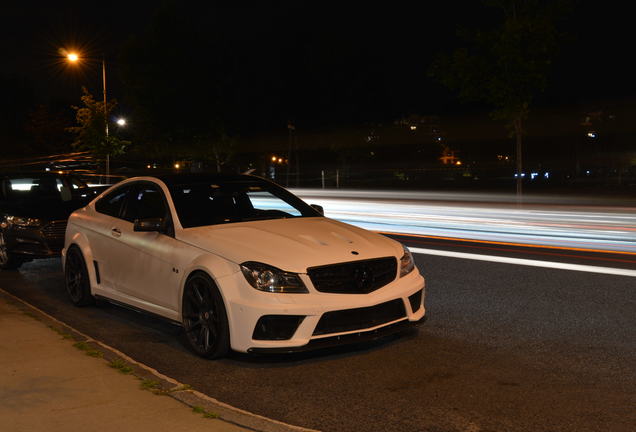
(148, 270)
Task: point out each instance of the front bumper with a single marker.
(36, 242)
(346, 339)
(349, 317)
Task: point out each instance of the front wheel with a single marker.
(78, 284)
(204, 317)
(8, 261)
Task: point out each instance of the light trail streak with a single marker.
(605, 229)
(527, 262)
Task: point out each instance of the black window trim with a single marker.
(168, 222)
(121, 207)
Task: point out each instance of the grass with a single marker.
(61, 332)
(121, 366)
(83, 346)
(151, 385)
(204, 413)
(155, 387)
(32, 315)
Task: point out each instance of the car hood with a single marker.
(291, 244)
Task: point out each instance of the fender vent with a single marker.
(97, 278)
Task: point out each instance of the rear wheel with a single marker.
(8, 261)
(204, 317)
(76, 275)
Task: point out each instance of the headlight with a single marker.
(407, 264)
(22, 221)
(270, 279)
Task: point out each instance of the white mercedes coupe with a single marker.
(240, 263)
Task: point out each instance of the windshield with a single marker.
(220, 202)
(33, 188)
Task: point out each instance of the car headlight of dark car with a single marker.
(407, 264)
(21, 221)
(270, 279)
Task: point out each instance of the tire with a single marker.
(204, 320)
(76, 277)
(8, 261)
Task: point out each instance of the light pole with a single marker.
(74, 57)
(105, 117)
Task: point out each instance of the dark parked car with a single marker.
(34, 208)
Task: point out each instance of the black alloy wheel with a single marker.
(76, 276)
(204, 317)
(8, 261)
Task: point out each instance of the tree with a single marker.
(505, 66)
(91, 132)
(217, 147)
(47, 130)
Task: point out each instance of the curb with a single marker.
(162, 384)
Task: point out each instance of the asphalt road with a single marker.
(506, 348)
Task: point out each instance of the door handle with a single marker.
(115, 232)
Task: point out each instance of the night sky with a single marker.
(318, 64)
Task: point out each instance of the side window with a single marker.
(111, 203)
(146, 202)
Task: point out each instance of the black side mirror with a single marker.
(149, 225)
(318, 208)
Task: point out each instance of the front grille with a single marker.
(54, 230)
(361, 318)
(356, 277)
(54, 233)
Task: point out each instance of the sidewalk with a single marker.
(50, 381)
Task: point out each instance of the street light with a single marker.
(74, 57)
(121, 121)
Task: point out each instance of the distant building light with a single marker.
(439, 138)
(533, 175)
(121, 122)
(591, 134)
(413, 127)
(47, 169)
(458, 163)
(148, 166)
(587, 172)
(177, 165)
(546, 175)
(274, 158)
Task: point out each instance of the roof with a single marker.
(174, 179)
